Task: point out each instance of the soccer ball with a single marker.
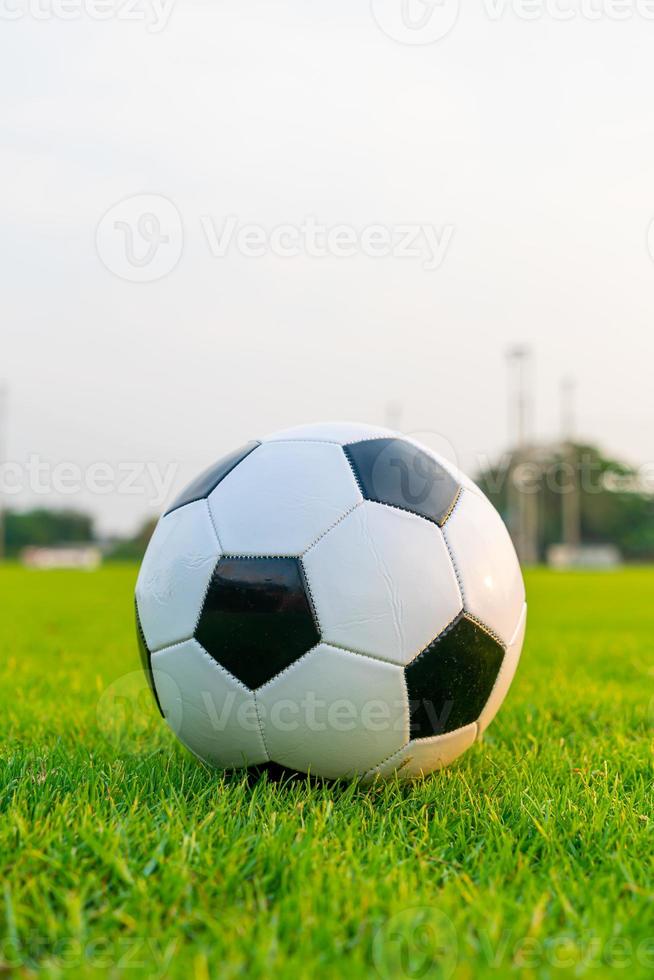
(334, 598)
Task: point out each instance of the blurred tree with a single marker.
(46, 528)
(616, 507)
(133, 549)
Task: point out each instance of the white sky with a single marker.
(533, 140)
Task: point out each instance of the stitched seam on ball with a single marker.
(378, 503)
(176, 643)
(523, 614)
(334, 646)
(455, 567)
(500, 673)
(171, 646)
(450, 626)
(374, 770)
(309, 595)
(290, 667)
(360, 653)
(482, 626)
(353, 468)
(332, 526)
(139, 627)
(204, 596)
(432, 738)
(452, 508)
(223, 670)
(504, 666)
(230, 555)
(213, 524)
(386, 435)
(315, 442)
(405, 510)
(441, 735)
(330, 442)
(263, 737)
(407, 706)
(407, 712)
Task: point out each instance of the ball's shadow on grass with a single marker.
(277, 775)
(289, 780)
(478, 766)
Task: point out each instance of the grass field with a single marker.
(120, 855)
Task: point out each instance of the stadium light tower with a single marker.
(522, 500)
(519, 359)
(570, 500)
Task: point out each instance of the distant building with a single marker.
(583, 556)
(82, 556)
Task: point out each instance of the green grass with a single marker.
(121, 855)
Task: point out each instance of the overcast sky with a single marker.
(512, 159)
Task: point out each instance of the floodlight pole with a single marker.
(570, 498)
(523, 513)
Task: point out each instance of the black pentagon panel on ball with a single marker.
(451, 680)
(395, 472)
(257, 618)
(207, 481)
(145, 658)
